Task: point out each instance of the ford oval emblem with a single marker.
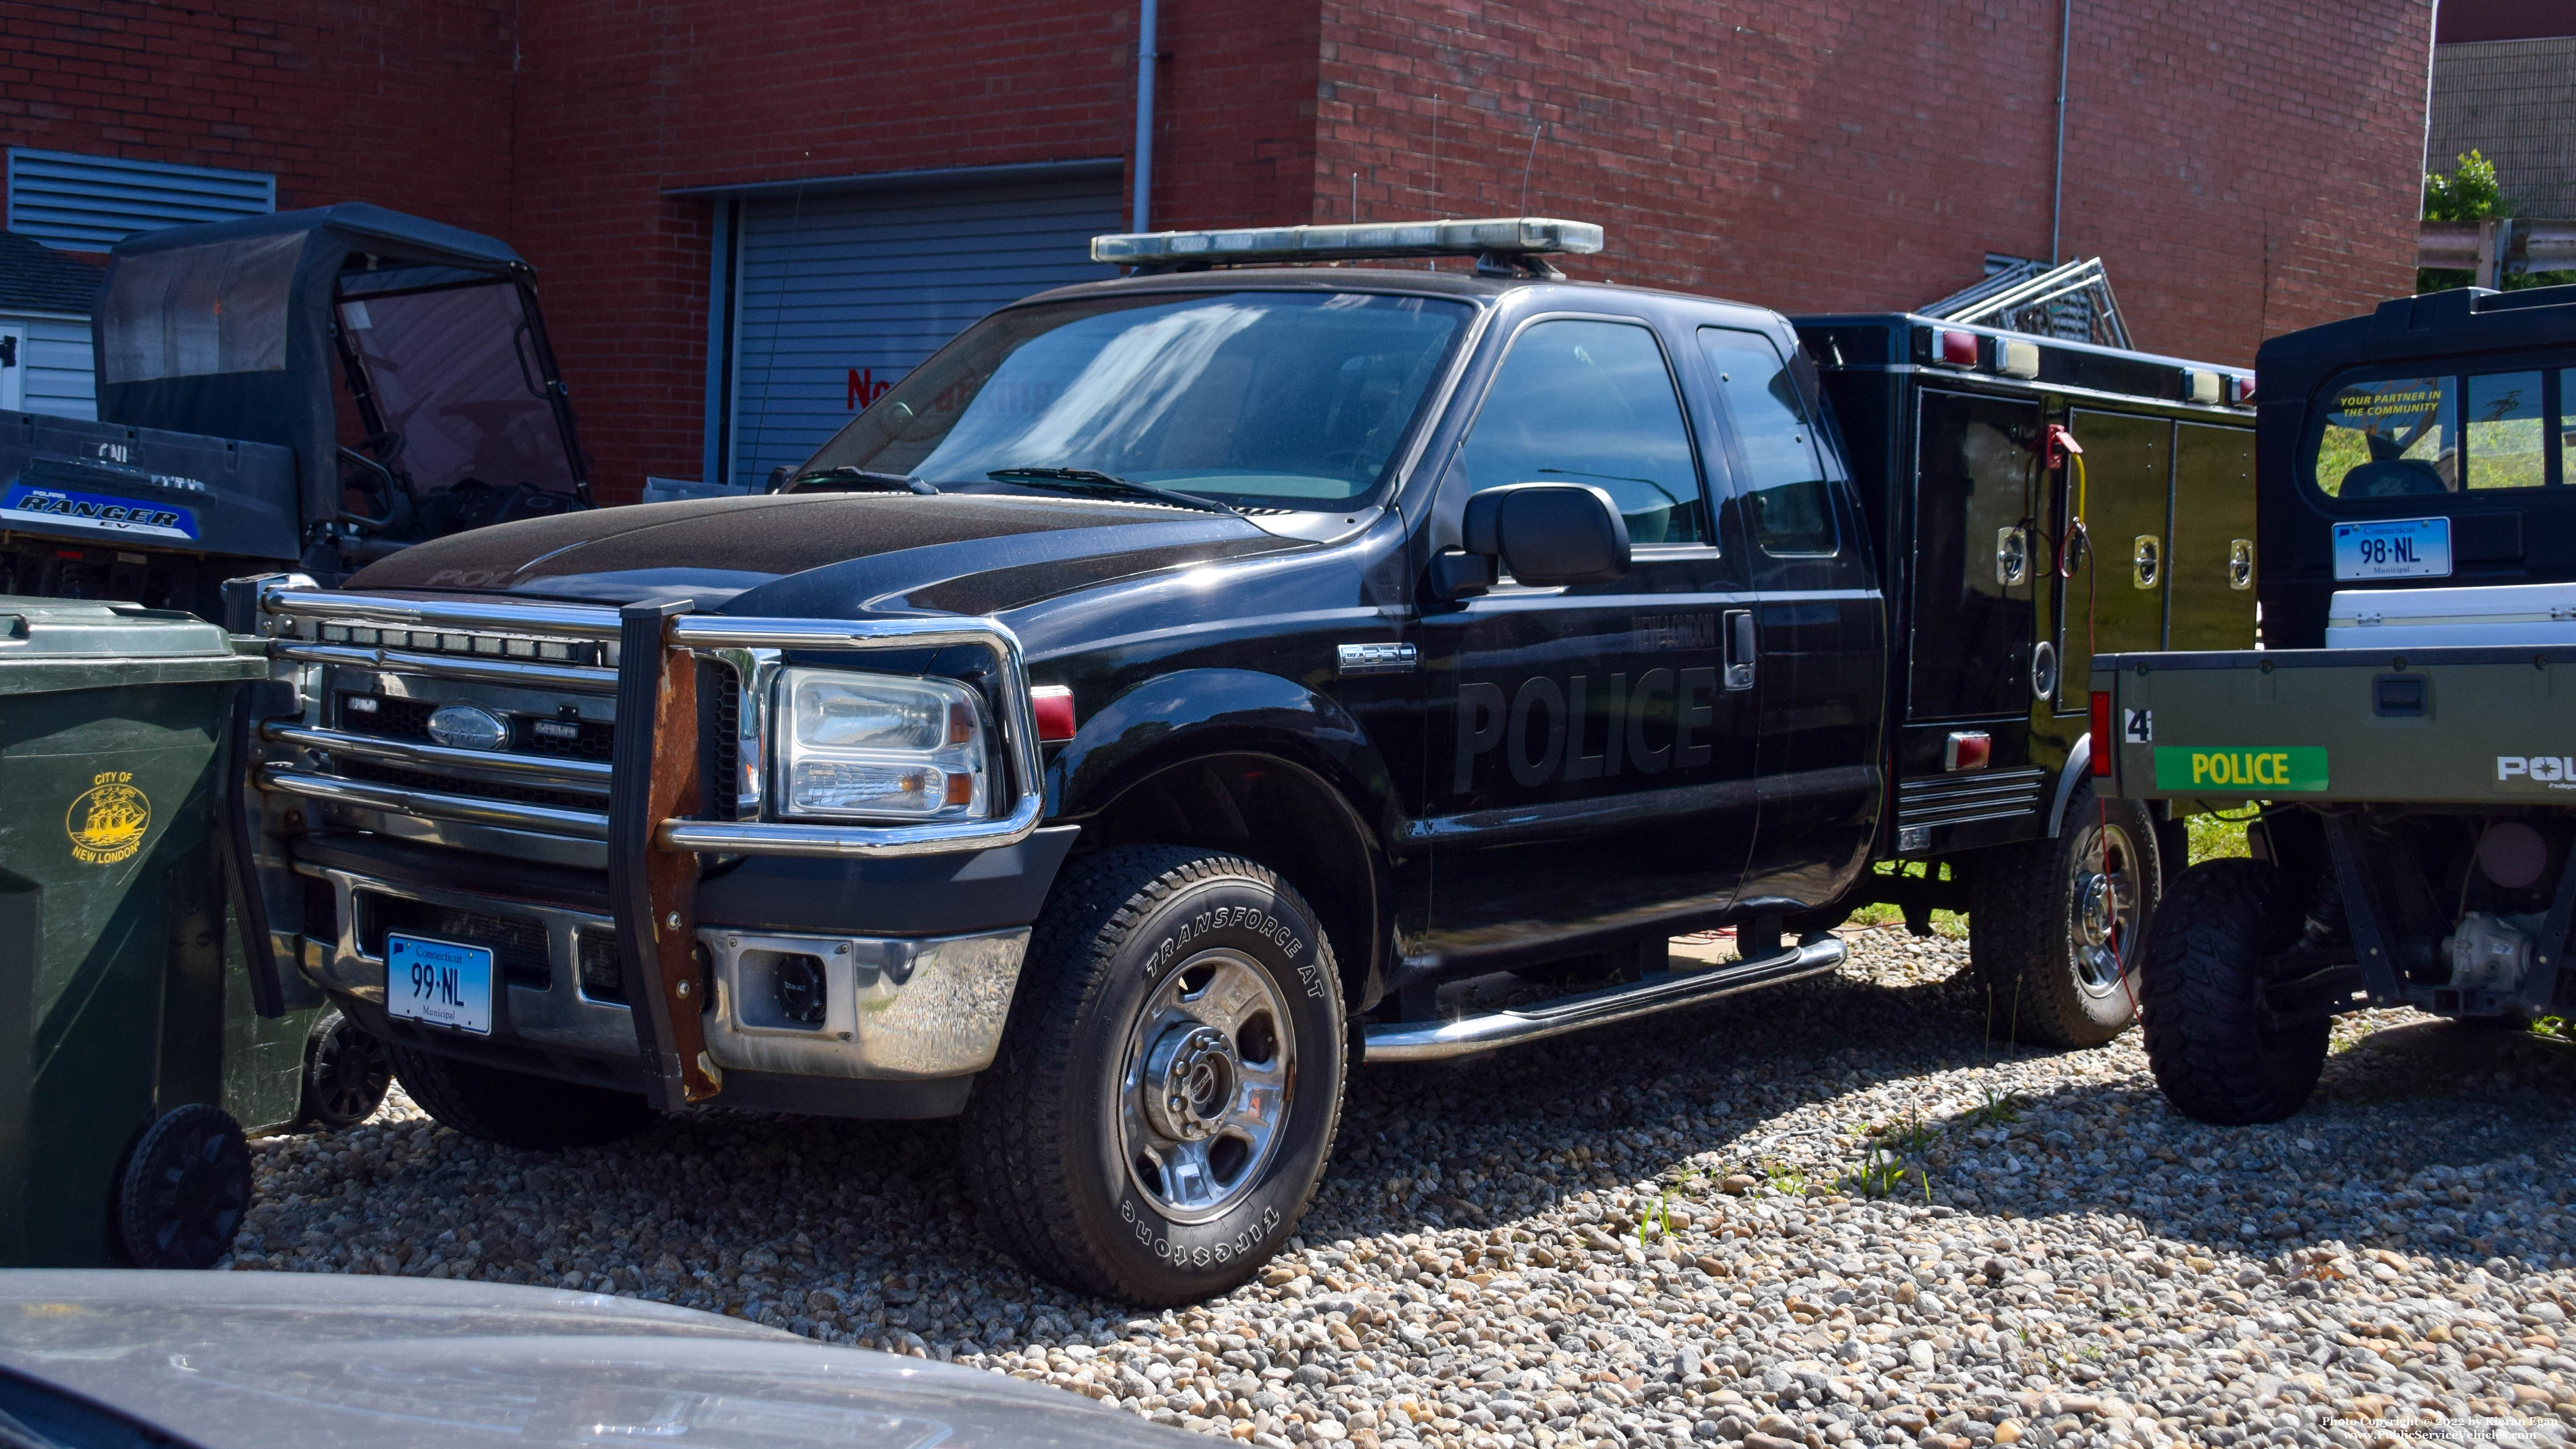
(468, 727)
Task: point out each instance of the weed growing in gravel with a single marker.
(1785, 1178)
(1655, 1222)
(1883, 1174)
(1999, 1106)
(1912, 1138)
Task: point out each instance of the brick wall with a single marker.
(619, 103)
(402, 102)
(2242, 169)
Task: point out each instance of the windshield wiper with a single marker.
(1092, 480)
(849, 479)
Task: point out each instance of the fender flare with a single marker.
(1191, 714)
(1194, 712)
(2079, 763)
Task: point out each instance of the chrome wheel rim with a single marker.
(1205, 1085)
(2107, 902)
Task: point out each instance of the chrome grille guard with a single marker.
(748, 645)
(649, 814)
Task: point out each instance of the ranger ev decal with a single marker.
(98, 513)
(2544, 772)
(1547, 731)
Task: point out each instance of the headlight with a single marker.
(879, 747)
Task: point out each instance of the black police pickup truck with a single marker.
(1170, 692)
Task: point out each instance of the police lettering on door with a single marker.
(1585, 728)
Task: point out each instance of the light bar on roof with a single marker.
(1521, 235)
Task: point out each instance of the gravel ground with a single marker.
(1831, 1212)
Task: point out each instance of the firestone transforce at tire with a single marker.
(1167, 1091)
(2204, 985)
(516, 1109)
(2056, 926)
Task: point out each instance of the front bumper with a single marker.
(896, 1008)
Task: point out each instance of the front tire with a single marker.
(2204, 985)
(516, 1109)
(2056, 926)
(1166, 1094)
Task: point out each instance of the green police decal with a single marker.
(2258, 770)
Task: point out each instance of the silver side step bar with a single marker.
(1431, 1041)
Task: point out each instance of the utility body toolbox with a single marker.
(2411, 782)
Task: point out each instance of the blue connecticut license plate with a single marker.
(2393, 548)
(439, 982)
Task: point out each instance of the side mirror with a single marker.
(1548, 534)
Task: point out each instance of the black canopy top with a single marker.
(226, 329)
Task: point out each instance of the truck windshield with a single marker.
(1287, 400)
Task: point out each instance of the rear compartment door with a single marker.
(2212, 590)
(1974, 581)
(2114, 601)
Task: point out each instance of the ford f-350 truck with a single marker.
(1184, 685)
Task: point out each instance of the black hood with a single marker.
(825, 555)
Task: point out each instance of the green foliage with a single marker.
(2470, 193)
(1884, 1174)
(2216, 837)
(2001, 1105)
(2473, 192)
(1657, 1221)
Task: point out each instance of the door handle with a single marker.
(2147, 560)
(1740, 644)
(2012, 556)
(2240, 563)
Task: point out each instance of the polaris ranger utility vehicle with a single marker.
(312, 389)
(2405, 733)
(1182, 684)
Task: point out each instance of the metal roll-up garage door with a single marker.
(838, 297)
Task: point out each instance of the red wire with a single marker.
(2102, 810)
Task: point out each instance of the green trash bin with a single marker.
(122, 1004)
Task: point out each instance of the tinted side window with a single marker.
(2566, 425)
(1785, 497)
(1592, 403)
(2503, 431)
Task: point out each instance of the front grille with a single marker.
(380, 773)
(517, 944)
(541, 688)
(555, 736)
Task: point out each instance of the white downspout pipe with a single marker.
(1145, 47)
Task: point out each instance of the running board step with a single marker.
(1431, 1041)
